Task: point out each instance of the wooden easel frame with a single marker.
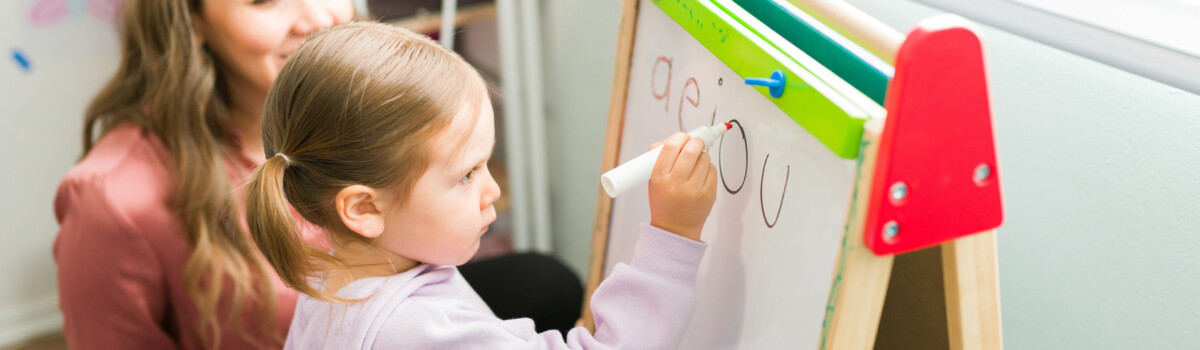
(969, 290)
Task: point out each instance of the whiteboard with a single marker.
(777, 225)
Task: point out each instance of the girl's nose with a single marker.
(491, 193)
(312, 15)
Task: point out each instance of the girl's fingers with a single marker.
(710, 178)
(655, 145)
(701, 168)
(670, 152)
(688, 156)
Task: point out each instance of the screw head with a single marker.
(898, 192)
(982, 173)
(890, 231)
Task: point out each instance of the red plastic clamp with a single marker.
(936, 177)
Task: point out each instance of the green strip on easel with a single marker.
(822, 110)
(849, 61)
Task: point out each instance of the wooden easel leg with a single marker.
(972, 292)
(854, 309)
(861, 280)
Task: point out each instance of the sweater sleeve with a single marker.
(111, 287)
(646, 304)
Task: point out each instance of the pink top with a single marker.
(643, 305)
(121, 251)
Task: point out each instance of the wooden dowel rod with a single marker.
(873, 35)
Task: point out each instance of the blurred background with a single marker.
(1098, 249)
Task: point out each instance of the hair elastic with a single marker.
(285, 158)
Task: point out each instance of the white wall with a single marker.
(1098, 249)
(42, 113)
(580, 41)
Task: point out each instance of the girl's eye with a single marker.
(466, 179)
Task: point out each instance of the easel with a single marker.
(877, 262)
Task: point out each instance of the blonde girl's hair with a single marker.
(167, 83)
(357, 104)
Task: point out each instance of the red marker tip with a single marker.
(728, 126)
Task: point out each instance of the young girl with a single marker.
(382, 137)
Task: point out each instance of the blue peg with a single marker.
(774, 84)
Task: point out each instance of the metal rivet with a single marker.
(899, 191)
(982, 172)
(890, 230)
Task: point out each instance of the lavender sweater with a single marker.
(643, 305)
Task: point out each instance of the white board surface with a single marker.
(776, 228)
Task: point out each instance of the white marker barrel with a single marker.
(637, 171)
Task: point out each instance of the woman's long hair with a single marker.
(168, 84)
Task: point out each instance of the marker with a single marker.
(21, 60)
(637, 171)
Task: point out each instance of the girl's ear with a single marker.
(198, 29)
(359, 208)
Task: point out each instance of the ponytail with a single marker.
(274, 229)
(357, 104)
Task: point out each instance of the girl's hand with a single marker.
(683, 186)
